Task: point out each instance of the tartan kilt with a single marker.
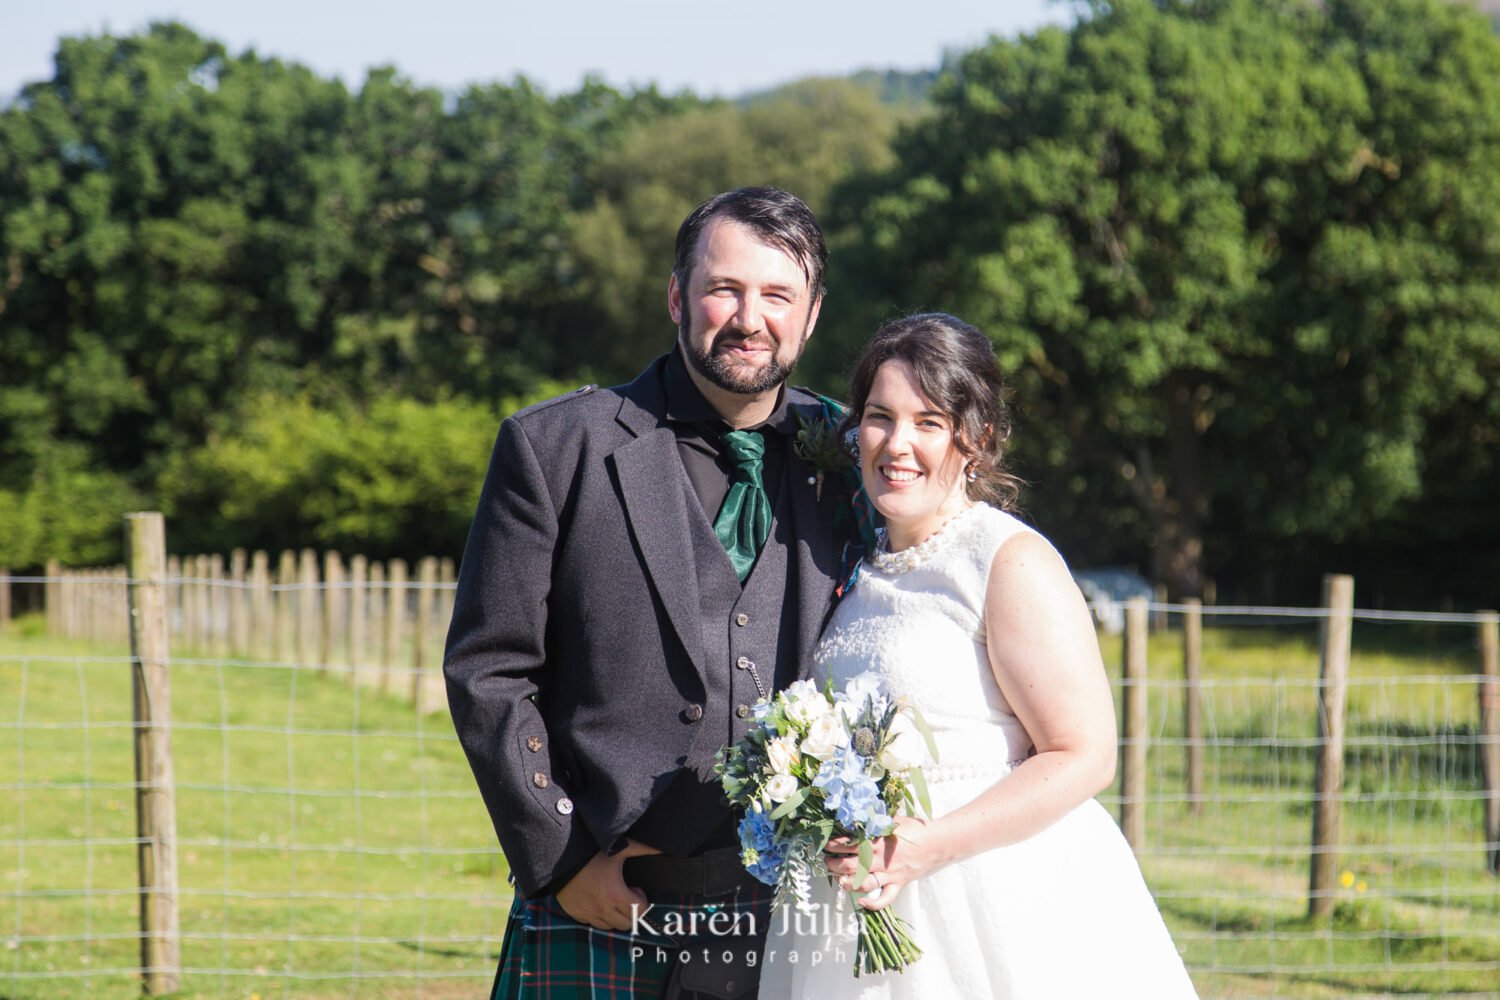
(547, 953)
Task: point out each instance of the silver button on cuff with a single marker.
(565, 806)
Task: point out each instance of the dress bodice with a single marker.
(917, 618)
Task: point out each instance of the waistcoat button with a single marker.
(743, 711)
(742, 619)
(693, 712)
(539, 780)
(744, 663)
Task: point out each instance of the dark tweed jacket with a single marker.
(574, 659)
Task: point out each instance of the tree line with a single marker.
(1240, 259)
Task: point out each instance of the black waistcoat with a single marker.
(750, 639)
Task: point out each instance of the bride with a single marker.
(1020, 885)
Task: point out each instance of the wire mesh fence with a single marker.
(331, 842)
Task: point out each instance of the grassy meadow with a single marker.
(331, 840)
(332, 843)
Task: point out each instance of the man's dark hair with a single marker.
(777, 218)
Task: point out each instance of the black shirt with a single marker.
(698, 426)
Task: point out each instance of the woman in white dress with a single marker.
(1020, 885)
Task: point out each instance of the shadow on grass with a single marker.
(428, 949)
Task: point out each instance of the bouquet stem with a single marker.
(885, 943)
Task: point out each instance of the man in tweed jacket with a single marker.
(605, 640)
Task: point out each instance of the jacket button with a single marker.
(742, 619)
(565, 806)
(743, 711)
(693, 712)
(540, 780)
(744, 663)
(534, 743)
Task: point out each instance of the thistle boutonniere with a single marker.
(820, 444)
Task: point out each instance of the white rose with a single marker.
(906, 747)
(781, 754)
(804, 703)
(780, 788)
(825, 736)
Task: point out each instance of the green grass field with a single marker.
(333, 845)
(332, 842)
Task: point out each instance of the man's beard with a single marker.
(727, 375)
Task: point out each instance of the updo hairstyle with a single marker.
(956, 371)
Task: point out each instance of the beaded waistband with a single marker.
(968, 772)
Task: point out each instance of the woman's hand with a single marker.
(907, 853)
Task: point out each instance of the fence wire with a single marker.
(332, 843)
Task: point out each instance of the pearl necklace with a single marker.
(912, 556)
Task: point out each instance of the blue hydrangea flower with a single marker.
(852, 795)
(762, 852)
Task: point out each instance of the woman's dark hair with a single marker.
(956, 371)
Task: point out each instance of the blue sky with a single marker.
(712, 48)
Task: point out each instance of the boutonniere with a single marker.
(820, 444)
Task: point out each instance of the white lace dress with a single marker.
(1063, 914)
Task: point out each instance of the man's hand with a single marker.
(598, 895)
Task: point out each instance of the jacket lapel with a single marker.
(653, 490)
(817, 552)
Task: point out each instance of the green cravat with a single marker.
(744, 520)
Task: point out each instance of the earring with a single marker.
(971, 473)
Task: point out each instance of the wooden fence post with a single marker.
(1489, 732)
(395, 622)
(217, 606)
(359, 616)
(4, 597)
(333, 609)
(447, 573)
(286, 607)
(155, 801)
(238, 604)
(378, 597)
(192, 605)
(1192, 699)
(174, 596)
(1133, 725)
(308, 605)
(262, 608)
(122, 595)
(423, 698)
(1337, 634)
(52, 597)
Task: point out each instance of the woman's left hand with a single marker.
(904, 855)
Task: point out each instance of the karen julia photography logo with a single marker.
(664, 929)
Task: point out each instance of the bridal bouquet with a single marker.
(817, 764)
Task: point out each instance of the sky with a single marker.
(714, 49)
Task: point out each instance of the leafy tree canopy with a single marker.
(1240, 255)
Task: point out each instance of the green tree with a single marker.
(1240, 256)
(805, 138)
(385, 476)
(183, 230)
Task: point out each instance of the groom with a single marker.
(645, 562)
